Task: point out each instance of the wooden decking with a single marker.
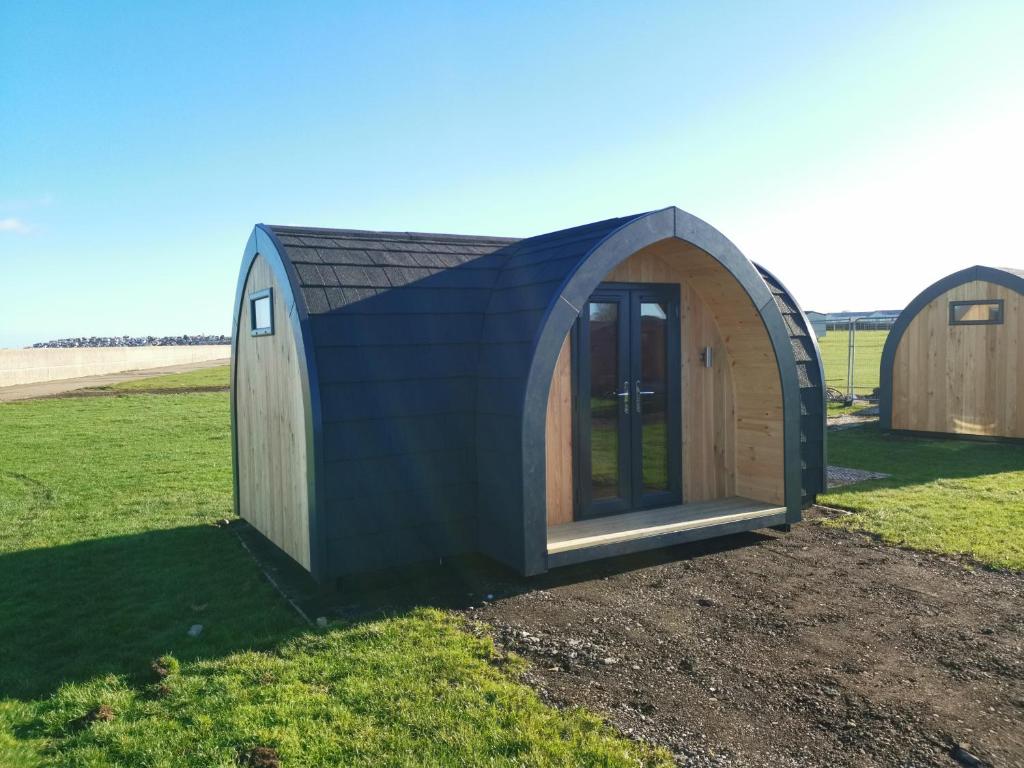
(633, 526)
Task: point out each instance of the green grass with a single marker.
(604, 457)
(948, 496)
(868, 357)
(109, 552)
(218, 376)
(841, 409)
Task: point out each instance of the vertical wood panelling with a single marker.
(732, 412)
(271, 428)
(558, 440)
(708, 416)
(961, 379)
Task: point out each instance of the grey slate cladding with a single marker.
(423, 344)
(396, 321)
(813, 420)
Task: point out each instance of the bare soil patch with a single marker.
(100, 714)
(814, 648)
(131, 392)
(259, 757)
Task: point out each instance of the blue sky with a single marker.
(860, 151)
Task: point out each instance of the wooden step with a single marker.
(656, 522)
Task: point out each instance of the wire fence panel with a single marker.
(851, 352)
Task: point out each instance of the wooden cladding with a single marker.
(270, 425)
(558, 439)
(732, 413)
(966, 377)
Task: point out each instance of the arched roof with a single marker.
(436, 353)
(537, 297)
(1004, 276)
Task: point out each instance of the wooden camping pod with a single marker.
(953, 362)
(402, 397)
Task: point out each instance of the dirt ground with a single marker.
(813, 648)
(137, 391)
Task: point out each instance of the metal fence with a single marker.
(852, 352)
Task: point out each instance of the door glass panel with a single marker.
(652, 402)
(604, 404)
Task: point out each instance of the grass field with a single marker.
(842, 409)
(952, 496)
(868, 356)
(110, 551)
(218, 376)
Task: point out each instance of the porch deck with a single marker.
(635, 531)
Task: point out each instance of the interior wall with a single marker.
(961, 379)
(732, 412)
(271, 426)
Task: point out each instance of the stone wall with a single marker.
(24, 366)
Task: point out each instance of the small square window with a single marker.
(988, 312)
(261, 312)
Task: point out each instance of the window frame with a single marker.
(266, 293)
(972, 303)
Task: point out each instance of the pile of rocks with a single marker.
(135, 341)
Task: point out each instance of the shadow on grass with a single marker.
(70, 613)
(74, 612)
(915, 460)
(458, 582)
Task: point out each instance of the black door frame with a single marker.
(628, 296)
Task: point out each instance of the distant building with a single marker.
(880, 320)
(818, 322)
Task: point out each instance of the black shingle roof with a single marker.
(339, 267)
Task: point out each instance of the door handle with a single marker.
(639, 393)
(624, 394)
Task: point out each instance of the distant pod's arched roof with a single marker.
(1004, 276)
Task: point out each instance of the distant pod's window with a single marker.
(261, 312)
(976, 312)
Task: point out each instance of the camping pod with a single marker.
(953, 363)
(611, 388)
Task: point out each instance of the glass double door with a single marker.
(629, 399)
